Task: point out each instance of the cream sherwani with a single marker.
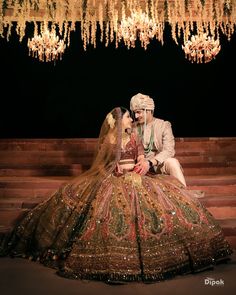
(163, 147)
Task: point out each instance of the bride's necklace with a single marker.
(125, 139)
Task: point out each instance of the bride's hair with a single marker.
(122, 112)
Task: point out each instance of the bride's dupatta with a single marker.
(51, 227)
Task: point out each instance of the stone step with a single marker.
(42, 186)
(26, 193)
(229, 226)
(199, 144)
(54, 181)
(223, 212)
(74, 171)
(192, 180)
(44, 192)
(217, 190)
(20, 203)
(48, 144)
(223, 159)
(208, 171)
(10, 217)
(195, 153)
(232, 241)
(210, 180)
(218, 201)
(9, 158)
(25, 187)
(220, 209)
(77, 169)
(206, 145)
(42, 170)
(32, 182)
(43, 160)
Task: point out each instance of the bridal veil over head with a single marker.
(106, 156)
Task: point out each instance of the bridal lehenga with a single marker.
(120, 227)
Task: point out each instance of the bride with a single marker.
(113, 224)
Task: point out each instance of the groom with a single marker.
(157, 138)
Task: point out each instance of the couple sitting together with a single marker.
(122, 220)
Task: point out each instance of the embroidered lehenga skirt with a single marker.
(132, 229)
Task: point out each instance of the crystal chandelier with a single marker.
(201, 48)
(47, 46)
(137, 26)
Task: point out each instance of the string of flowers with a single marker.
(186, 18)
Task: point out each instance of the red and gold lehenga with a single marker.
(109, 227)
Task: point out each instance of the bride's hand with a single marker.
(142, 167)
(118, 171)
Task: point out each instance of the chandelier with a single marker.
(201, 48)
(137, 26)
(47, 46)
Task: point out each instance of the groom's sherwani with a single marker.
(163, 139)
(159, 143)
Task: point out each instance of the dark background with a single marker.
(71, 99)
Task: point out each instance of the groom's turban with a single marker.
(141, 102)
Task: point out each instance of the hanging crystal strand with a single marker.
(61, 16)
(109, 21)
(9, 28)
(2, 12)
(100, 21)
(174, 25)
(113, 15)
(93, 30)
(84, 24)
(93, 23)
(65, 31)
(122, 17)
(179, 23)
(19, 13)
(73, 14)
(158, 21)
(191, 21)
(107, 34)
(115, 23)
(231, 23)
(155, 11)
(213, 20)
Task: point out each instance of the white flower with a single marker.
(110, 120)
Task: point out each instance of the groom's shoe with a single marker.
(198, 193)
